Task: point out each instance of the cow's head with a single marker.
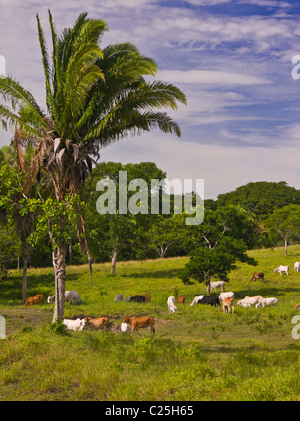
(127, 320)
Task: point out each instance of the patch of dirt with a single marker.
(17, 318)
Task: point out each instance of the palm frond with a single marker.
(11, 120)
(11, 91)
(46, 65)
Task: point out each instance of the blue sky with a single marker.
(231, 58)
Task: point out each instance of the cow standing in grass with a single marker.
(36, 299)
(140, 323)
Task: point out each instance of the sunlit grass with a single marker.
(199, 353)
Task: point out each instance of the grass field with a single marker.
(198, 353)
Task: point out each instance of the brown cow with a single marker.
(140, 323)
(228, 303)
(96, 323)
(297, 306)
(258, 275)
(181, 299)
(147, 298)
(36, 299)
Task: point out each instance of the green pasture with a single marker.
(198, 353)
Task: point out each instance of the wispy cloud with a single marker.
(214, 77)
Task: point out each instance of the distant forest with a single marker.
(262, 214)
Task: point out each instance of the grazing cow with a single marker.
(36, 299)
(125, 327)
(259, 275)
(140, 323)
(96, 323)
(297, 266)
(69, 297)
(228, 303)
(75, 325)
(72, 295)
(281, 269)
(297, 306)
(218, 284)
(171, 304)
(119, 297)
(180, 299)
(137, 299)
(267, 302)
(212, 300)
(225, 295)
(196, 298)
(249, 301)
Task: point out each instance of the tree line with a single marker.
(261, 214)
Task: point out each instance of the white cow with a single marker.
(119, 297)
(226, 295)
(125, 327)
(69, 297)
(75, 325)
(218, 284)
(171, 304)
(297, 266)
(249, 301)
(269, 301)
(281, 269)
(196, 298)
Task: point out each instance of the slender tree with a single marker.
(94, 97)
(284, 223)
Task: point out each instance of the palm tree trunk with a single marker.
(59, 264)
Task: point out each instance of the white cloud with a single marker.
(223, 168)
(214, 77)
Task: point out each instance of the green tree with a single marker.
(14, 162)
(166, 231)
(205, 263)
(216, 245)
(262, 197)
(10, 247)
(284, 223)
(118, 234)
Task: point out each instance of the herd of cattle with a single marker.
(226, 299)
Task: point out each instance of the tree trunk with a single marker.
(114, 261)
(89, 259)
(208, 288)
(70, 252)
(208, 284)
(25, 255)
(83, 242)
(59, 264)
(285, 247)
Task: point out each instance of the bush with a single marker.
(59, 328)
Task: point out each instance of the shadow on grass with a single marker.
(11, 289)
(266, 292)
(170, 273)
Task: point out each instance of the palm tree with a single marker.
(94, 97)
